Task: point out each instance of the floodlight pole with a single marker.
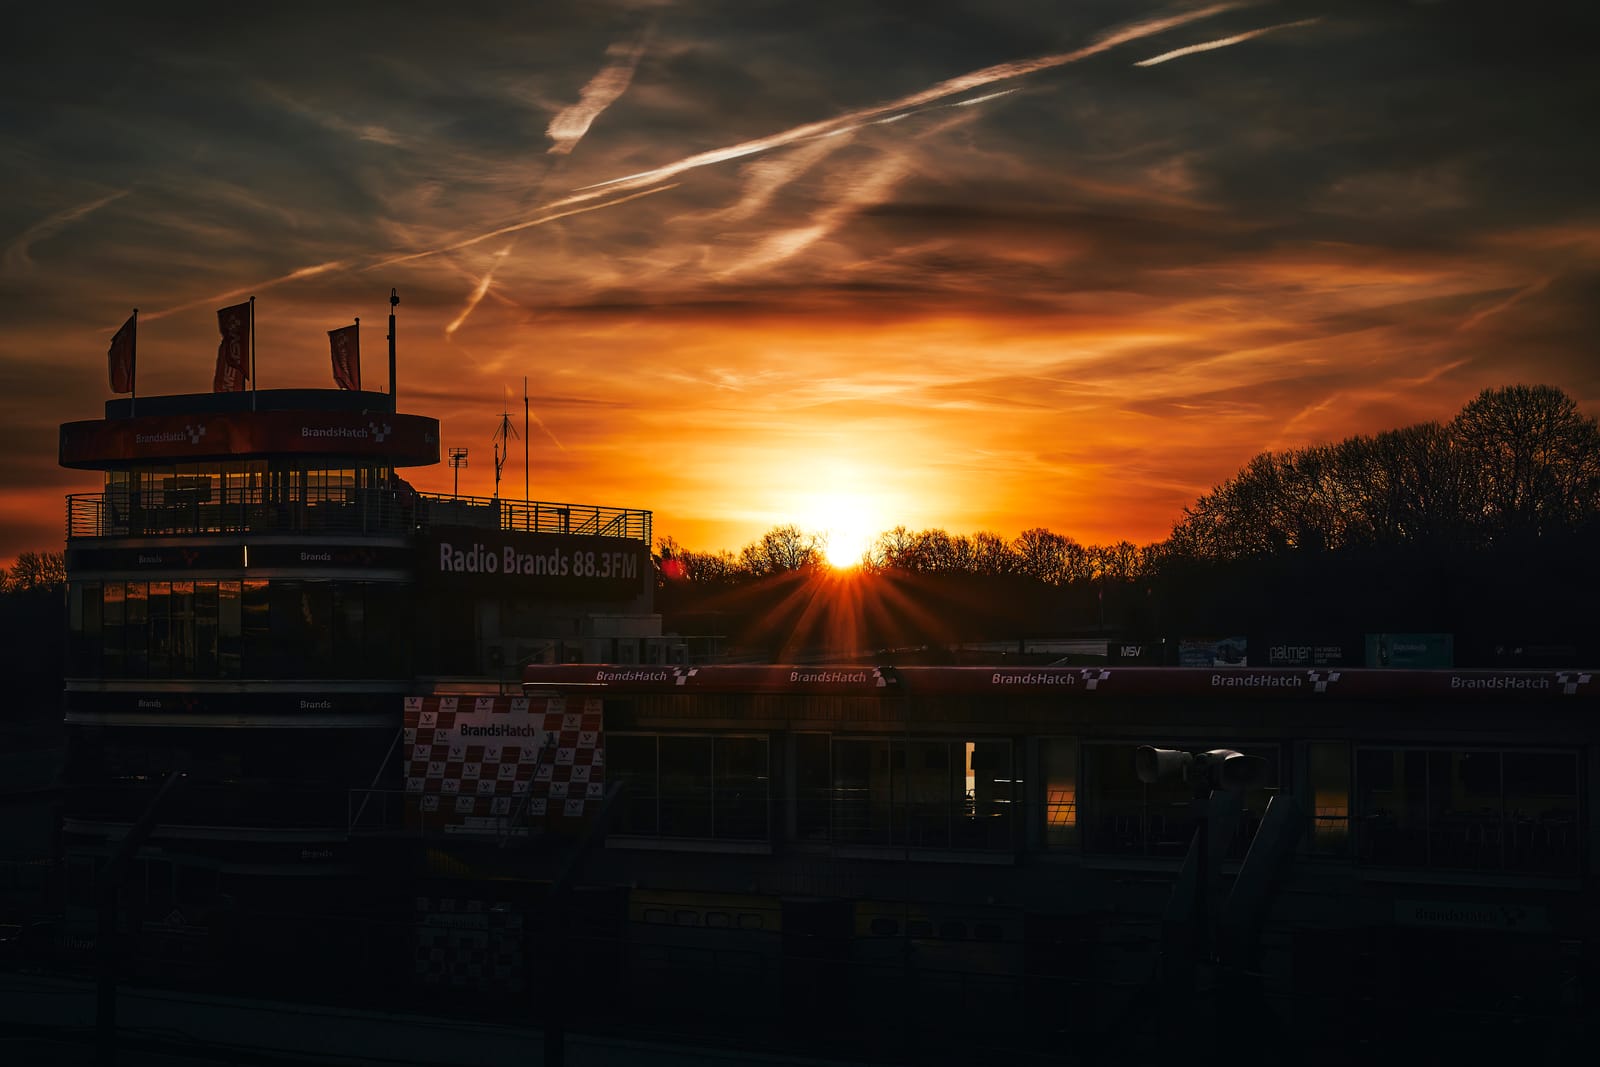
(1200, 804)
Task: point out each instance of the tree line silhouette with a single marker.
(1485, 526)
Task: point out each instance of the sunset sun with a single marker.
(849, 523)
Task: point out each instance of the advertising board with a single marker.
(500, 766)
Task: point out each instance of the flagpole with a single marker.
(394, 302)
(524, 438)
(133, 371)
(253, 384)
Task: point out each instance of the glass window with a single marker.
(1541, 811)
(686, 794)
(811, 789)
(983, 817)
(315, 623)
(85, 629)
(1482, 810)
(1058, 770)
(929, 786)
(349, 630)
(205, 629)
(947, 794)
(158, 612)
(138, 629)
(714, 787)
(631, 758)
(256, 652)
(1329, 771)
(741, 801)
(1127, 816)
(868, 801)
(181, 611)
(114, 647)
(230, 629)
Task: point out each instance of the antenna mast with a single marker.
(502, 447)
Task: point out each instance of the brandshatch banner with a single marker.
(499, 766)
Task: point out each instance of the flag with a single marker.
(232, 364)
(346, 345)
(120, 356)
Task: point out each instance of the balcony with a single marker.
(358, 512)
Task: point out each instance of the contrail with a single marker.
(477, 293)
(515, 227)
(646, 180)
(572, 122)
(1507, 304)
(566, 130)
(977, 79)
(249, 290)
(1221, 42)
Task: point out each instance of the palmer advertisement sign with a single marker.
(569, 566)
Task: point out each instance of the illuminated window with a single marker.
(1329, 766)
(923, 793)
(1058, 771)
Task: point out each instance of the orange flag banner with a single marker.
(233, 366)
(346, 345)
(120, 356)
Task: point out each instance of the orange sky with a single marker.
(982, 271)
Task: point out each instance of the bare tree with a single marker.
(780, 549)
(1044, 556)
(1536, 458)
(36, 570)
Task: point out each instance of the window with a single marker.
(740, 774)
(114, 650)
(1128, 817)
(692, 786)
(631, 758)
(923, 793)
(1471, 809)
(811, 791)
(1058, 770)
(685, 769)
(138, 629)
(1329, 771)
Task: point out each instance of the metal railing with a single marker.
(400, 813)
(376, 512)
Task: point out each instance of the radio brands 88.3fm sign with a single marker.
(567, 566)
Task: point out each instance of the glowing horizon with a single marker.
(980, 272)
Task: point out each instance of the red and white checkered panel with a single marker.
(467, 945)
(496, 765)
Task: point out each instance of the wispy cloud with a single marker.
(603, 90)
(1505, 305)
(331, 120)
(19, 257)
(765, 178)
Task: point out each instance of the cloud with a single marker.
(18, 255)
(573, 121)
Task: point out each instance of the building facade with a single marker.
(252, 593)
